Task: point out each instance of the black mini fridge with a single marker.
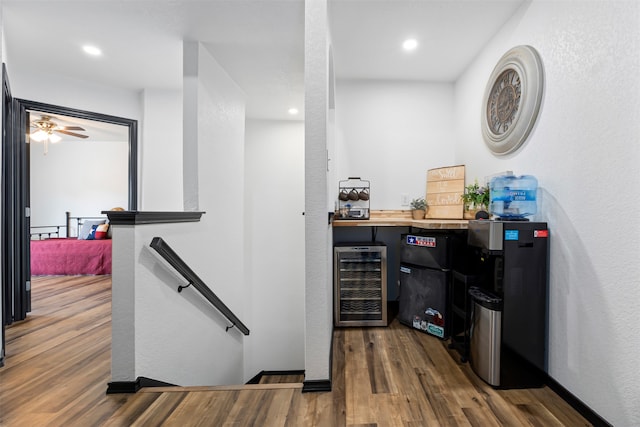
(425, 280)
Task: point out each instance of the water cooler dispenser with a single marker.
(509, 320)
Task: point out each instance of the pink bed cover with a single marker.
(70, 257)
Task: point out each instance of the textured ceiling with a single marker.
(367, 35)
(259, 42)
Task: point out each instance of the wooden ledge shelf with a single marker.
(401, 218)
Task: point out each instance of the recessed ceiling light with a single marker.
(410, 44)
(91, 50)
(293, 111)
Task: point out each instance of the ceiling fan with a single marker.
(44, 129)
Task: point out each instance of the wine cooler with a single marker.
(360, 284)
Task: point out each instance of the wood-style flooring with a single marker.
(58, 365)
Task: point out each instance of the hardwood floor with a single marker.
(58, 366)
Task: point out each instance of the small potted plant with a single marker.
(418, 208)
(475, 198)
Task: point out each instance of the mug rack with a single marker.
(353, 198)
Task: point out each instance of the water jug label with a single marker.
(522, 195)
(507, 195)
(511, 234)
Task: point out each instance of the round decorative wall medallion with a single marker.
(512, 99)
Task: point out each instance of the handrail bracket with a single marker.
(181, 287)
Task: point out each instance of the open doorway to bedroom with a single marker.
(78, 169)
(75, 171)
(84, 178)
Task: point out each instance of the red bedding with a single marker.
(70, 257)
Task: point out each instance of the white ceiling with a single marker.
(259, 42)
(367, 36)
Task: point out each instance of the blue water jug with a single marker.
(513, 197)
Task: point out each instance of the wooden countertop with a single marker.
(399, 218)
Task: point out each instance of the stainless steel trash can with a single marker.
(485, 335)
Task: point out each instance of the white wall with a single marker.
(584, 152)
(161, 157)
(184, 328)
(181, 338)
(220, 165)
(178, 337)
(159, 115)
(81, 177)
(66, 92)
(391, 133)
(274, 243)
(318, 280)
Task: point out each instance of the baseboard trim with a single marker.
(316, 386)
(577, 404)
(256, 379)
(116, 387)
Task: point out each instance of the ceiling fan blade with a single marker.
(69, 128)
(77, 135)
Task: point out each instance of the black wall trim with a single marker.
(131, 124)
(256, 379)
(115, 387)
(577, 404)
(148, 217)
(316, 386)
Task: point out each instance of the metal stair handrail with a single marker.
(181, 267)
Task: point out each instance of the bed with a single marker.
(82, 246)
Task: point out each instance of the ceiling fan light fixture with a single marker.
(39, 135)
(46, 131)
